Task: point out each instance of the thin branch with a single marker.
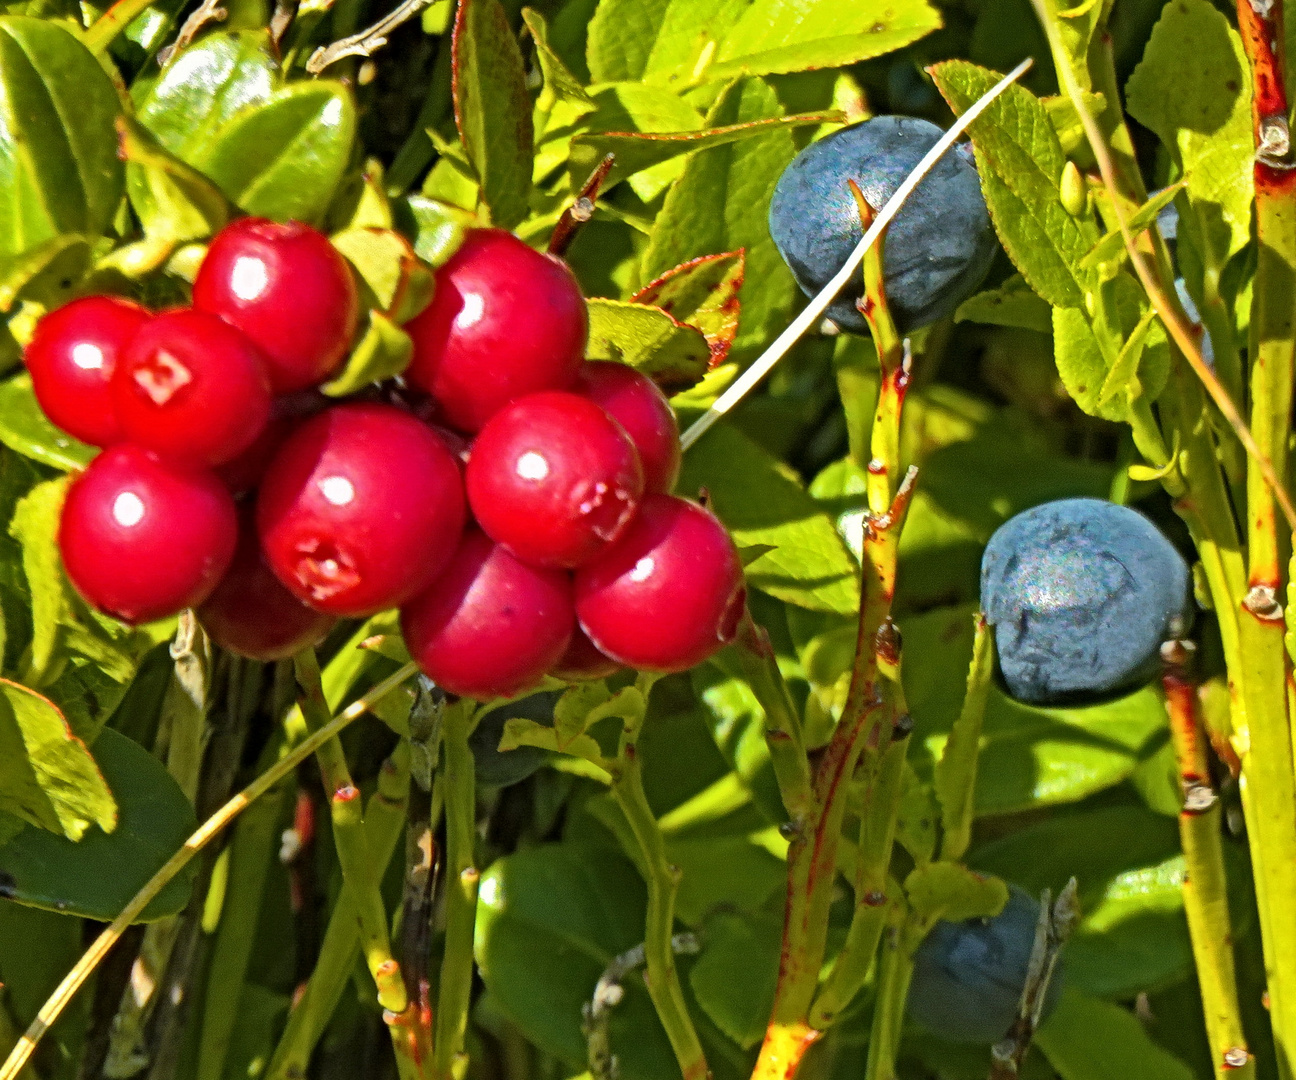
(366, 42)
(581, 210)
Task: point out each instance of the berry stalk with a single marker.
(359, 871)
(1205, 887)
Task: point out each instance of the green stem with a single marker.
(956, 774)
(359, 871)
(383, 822)
(895, 969)
(112, 22)
(663, 883)
(462, 878)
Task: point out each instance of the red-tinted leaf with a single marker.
(702, 292)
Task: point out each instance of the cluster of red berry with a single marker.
(510, 497)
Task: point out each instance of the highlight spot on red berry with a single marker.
(191, 387)
(491, 626)
(505, 321)
(636, 403)
(361, 508)
(669, 594)
(288, 290)
(250, 612)
(143, 538)
(72, 356)
(554, 479)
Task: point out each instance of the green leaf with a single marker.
(1066, 121)
(35, 526)
(731, 873)
(24, 429)
(59, 172)
(436, 228)
(204, 88)
(397, 282)
(637, 151)
(761, 501)
(703, 293)
(384, 350)
(97, 876)
(48, 273)
(1014, 303)
(944, 890)
(687, 41)
(1133, 934)
(721, 203)
(285, 158)
(672, 354)
(1088, 1039)
(549, 921)
(493, 108)
(49, 778)
(1029, 756)
(1021, 161)
(559, 83)
(1206, 120)
(1112, 246)
(735, 977)
(173, 200)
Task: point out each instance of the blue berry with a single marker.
(938, 247)
(500, 769)
(1081, 594)
(968, 976)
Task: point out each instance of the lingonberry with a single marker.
(289, 290)
(361, 508)
(636, 403)
(72, 355)
(191, 387)
(505, 321)
(491, 626)
(669, 594)
(554, 479)
(582, 661)
(250, 612)
(143, 538)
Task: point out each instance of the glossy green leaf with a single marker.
(396, 281)
(384, 350)
(1206, 121)
(48, 777)
(436, 228)
(1014, 303)
(97, 876)
(1089, 1039)
(24, 429)
(672, 354)
(1021, 161)
(1029, 756)
(493, 108)
(172, 199)
(762, 502)
(703, 293)
(285, 158)
(48, 273)
(721, 203)
(735, 977)
(688, 41)
(549, 921)
(1133, 935)
(59, 171)
(204, 88)
(35, 527)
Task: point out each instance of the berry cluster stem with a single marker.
(462, 879)
(1205, 888)
(663, 883)
(359, 871)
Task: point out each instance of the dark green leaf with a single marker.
(673, 354)
(285, 158)
(97, 877)
(24, 428)
(60, 172)
(493, 108)
(761, 502)
(1088, 1039)
(49, 778)
(735, 976)
(1014, 303)
(1021, 164)
(384, 350)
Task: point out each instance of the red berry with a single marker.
(72, 356)
(289, 290)
(243, 473)
(669, 594)
(636, 403)
(505, 321)
(554, 479)
(361, 508)
(252, 614)
(191, 387)
(491, 626)
(582, 661)
(143, 538)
